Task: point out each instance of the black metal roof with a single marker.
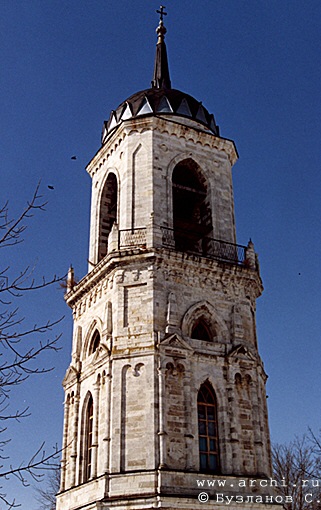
(156, 102)
(161, 99)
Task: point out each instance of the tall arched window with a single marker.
(108, 213)
(192, 218)
(207, 429)
(89, 418)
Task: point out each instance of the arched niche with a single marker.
(92, 338)
(94, 342)
(211, 326)
(201, 330)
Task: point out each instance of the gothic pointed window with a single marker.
(207, 429)
(108, 213)
(94, 343)
(89, 418)
(192, 218)
(201, 331)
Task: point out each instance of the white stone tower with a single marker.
(165, 386)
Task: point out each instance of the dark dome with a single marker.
(160, 101)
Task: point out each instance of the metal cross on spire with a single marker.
(161, 79)
(161, 12)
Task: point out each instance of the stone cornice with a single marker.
(228, 276)
(189, 130)
(103, 268)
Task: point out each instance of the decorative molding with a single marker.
(72, 375)
(174, 345)
(241, 352)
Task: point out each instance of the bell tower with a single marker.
(165, 385)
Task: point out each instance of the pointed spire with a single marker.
(161, 79)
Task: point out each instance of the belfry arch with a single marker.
(107, 213)
(192, 215)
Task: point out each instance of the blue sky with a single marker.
(256, 66)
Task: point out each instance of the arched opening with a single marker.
(207, 429)
(89, 418)
(201, 331)
(108, 213)
(192, 218)
(94, 343)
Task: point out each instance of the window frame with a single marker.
(89, 426)
(208, 437)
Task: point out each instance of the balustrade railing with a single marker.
(188, 242)
(132, 238)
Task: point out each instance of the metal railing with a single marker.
(189, 242)
(132, 238)
(204, 246)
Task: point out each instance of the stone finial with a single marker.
(250, 255)
(70, 279)
(113, 239)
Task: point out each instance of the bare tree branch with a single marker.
(21, 346)
(295, 466)
(47, 494)
(13, 229)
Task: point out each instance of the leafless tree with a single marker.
(46, 494)
(316, 442)
(296, 467)
(21, 345)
